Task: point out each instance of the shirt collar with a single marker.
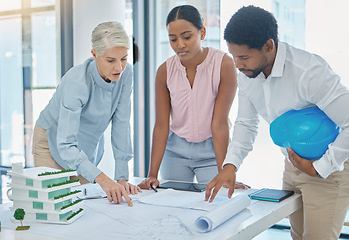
(93, 71)
(280, 59)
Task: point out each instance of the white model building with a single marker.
(45, 194)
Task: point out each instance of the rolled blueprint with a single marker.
(220, 215)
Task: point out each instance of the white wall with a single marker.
(327, 33)
(87, 14)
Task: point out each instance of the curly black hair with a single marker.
(251, 26)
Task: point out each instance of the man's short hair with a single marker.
(251, 26)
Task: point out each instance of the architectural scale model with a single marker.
(45, 194)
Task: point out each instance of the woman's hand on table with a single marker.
(130, 188)
(148, 182)
(114, 190)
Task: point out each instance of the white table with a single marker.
(258, 217)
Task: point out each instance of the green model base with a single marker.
(20, 228)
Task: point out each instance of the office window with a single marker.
(45, 183)
(11, 91)
(28, 74)
(59, 205)
(44, 50)
(33, 194)
(65, 215)
(38, 205)
(42, 3)
(41, 216)
(29, 182)
(276, 10)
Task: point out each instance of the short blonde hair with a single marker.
(108, 35)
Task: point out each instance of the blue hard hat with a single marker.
(308, 132)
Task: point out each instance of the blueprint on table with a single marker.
(104, 220)
(217, 212)
(183, 199)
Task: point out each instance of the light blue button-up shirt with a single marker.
(78, 114)
(298, 80)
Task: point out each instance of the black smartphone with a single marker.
(184, 186)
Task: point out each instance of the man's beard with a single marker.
(257, 71)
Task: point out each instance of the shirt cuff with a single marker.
(121, 170)
(230, 161)
(323, 167)
(88, 170)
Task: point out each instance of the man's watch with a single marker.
(318, 175)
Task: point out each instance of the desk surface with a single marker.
(258, 217)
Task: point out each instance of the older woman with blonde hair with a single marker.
(69, 131)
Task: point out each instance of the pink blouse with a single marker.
(192, 108)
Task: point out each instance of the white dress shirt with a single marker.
(298, 80)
